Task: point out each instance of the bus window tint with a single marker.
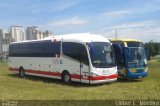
(135, 44)
(75, 51)
(118, 42)
(52, 47)
(137, 57)
(35, 49)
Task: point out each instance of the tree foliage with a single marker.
(153, 48)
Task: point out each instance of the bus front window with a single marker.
(137, 57)
(135, 44)
(101, 54)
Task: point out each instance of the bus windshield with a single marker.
(101, 54)
(137, 57)
(135, 44)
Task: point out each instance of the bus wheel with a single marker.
(66, 77)
(21, 72)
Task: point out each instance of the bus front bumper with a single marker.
(131, 75)
(103, 81)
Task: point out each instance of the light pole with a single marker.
(116, 36)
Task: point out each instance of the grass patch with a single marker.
(35, 88)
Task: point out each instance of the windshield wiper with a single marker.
(97, 64)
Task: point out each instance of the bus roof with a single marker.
(127, 40)
(77, 37)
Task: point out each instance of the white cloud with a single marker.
(68, 22)
(63, 6)
(141, 24)
(144, 30)
(116, 13)
(147, 7)
(52, 6)
(141, 9)
(147, 23)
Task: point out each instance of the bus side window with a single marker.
(11, 50)
(75, 51)
(51, 48)
(14, 50)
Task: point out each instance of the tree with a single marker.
(153, 48)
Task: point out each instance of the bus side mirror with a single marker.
(91, 49)
(118, 49)
(118, 53)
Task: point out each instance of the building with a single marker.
(47, 34)
(17, 33)
(1, 36)
(5, 40)
(4, 34)
(39, 35)
(33, 33)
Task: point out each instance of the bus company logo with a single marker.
(57, 61)
(61, 61)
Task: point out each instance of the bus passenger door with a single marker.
(75, 61)
(84, 65)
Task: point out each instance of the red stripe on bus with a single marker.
(94, 77)
(43, 72)
(103, 77)
(13, 69)
(38, 72)
(75, 76)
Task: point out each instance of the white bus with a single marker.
(83, 57)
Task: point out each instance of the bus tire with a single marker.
(21, 72)
(66, 77)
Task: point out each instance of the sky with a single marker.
(139, 19)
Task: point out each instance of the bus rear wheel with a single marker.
(21, 72)
(66, 77)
